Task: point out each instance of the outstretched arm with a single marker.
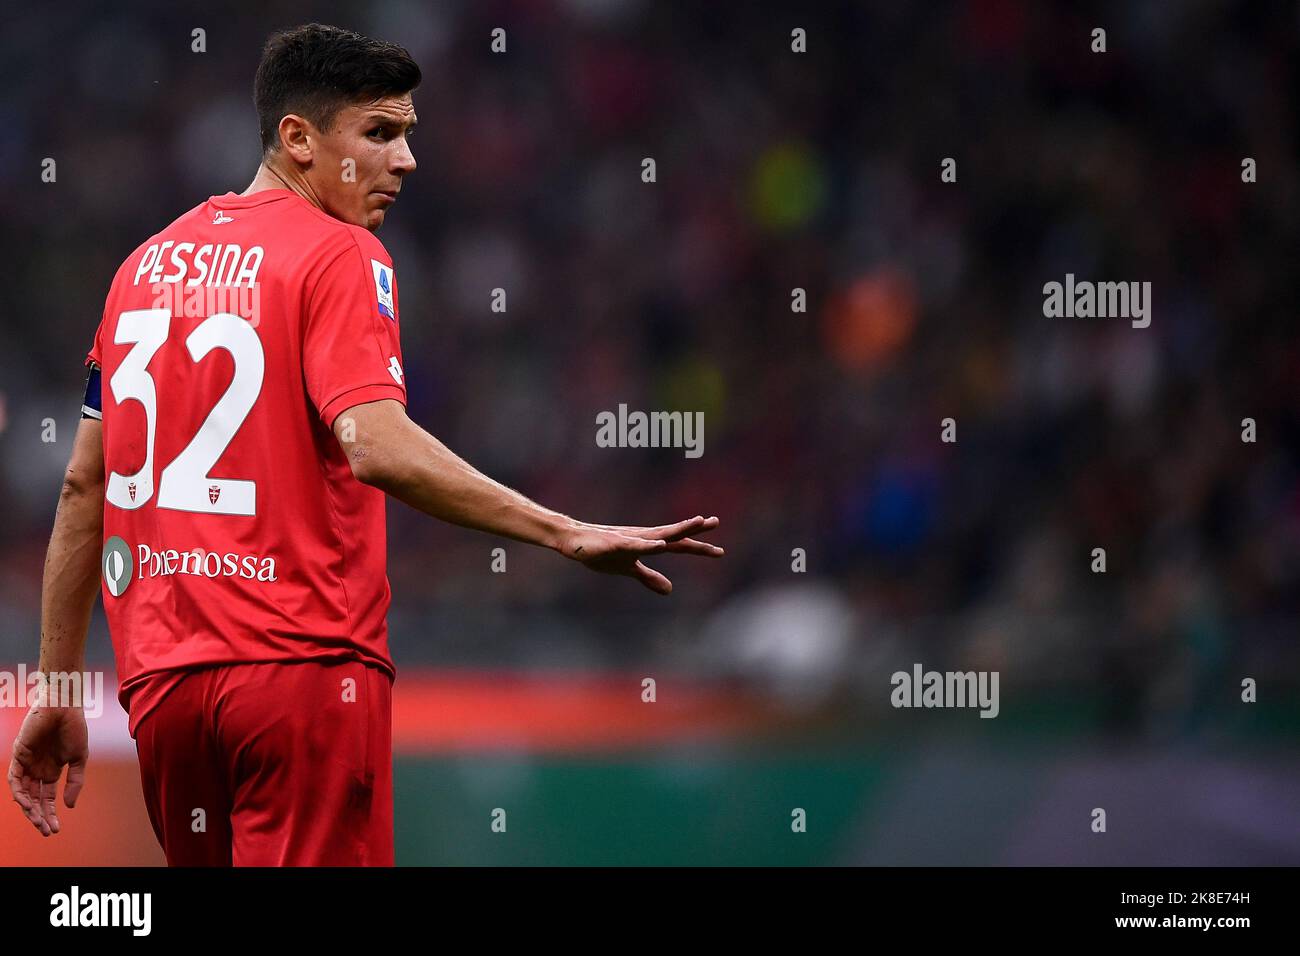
(53, 736)
(389, 451)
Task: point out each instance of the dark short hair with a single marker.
(315, 70)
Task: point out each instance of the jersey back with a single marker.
(234, 530)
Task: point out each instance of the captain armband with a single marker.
(92, 406)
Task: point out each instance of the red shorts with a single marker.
(291, 764)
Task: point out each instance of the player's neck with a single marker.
(268, 178)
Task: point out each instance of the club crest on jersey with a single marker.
(384, 288)
(214, 492)
(130, 489)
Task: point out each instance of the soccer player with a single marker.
(230, 481)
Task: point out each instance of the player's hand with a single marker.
(49, 738)
(618, 549)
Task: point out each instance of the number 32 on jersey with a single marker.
(185, 484)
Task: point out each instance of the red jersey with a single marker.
(234, 530)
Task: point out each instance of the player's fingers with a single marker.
(34, 795)
(691, 546)
(666, 531)
(18, 786)
(30, 810)
(76, 779)
(26, 785)
(681, 529)
(49, 795)
(641, 545)
(653, 579)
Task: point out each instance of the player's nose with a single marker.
(403, 159)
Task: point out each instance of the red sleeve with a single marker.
(96, 353)
(351, 352)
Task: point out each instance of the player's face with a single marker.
(374, 137)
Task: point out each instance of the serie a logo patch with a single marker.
(384, 288)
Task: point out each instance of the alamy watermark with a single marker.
(922, 688)
(651, 430)
(1102, 300)
(131, 911)
(26, 689)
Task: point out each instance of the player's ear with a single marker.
(296, 138)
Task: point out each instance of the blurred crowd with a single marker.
(774, 171)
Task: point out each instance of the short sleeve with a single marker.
(351, 352)
(96, 353)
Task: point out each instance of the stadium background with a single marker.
(775, 170)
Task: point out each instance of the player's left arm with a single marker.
(54, 736)
(72, 575)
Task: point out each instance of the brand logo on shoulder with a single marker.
(384, 288)
(221, 218)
